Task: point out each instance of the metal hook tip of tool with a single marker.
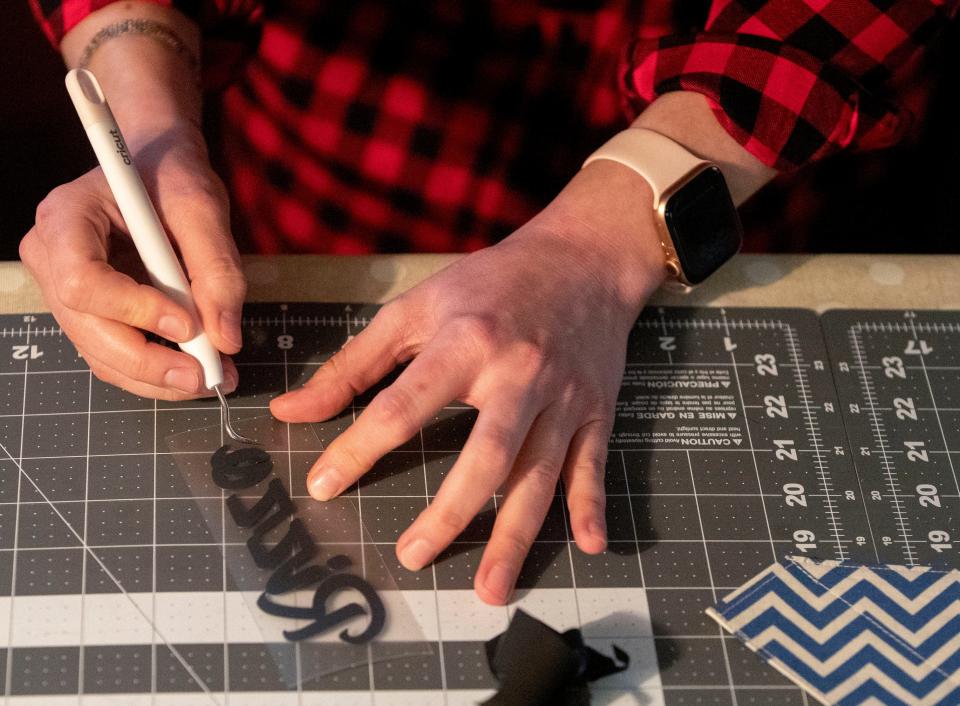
(228, 423)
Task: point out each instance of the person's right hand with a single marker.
(74, 252)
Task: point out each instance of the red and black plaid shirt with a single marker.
(358, 127)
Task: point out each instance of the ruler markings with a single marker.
(880, 437)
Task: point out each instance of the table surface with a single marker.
(813, 282)
(817, 282)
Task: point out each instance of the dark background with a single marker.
(906, 199)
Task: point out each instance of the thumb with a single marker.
(200, 224)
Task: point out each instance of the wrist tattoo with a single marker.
(149, 28)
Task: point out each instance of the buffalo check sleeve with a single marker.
(230, 28)
(795, 80)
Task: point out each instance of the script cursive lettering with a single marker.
(290, 558)
(322, 620)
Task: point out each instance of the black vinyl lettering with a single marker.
(276, 496)
(292, 575)
(287, 577)
(323, 621)
(296, 539)
(290, 559)
(235, 469)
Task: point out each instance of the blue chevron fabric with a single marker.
(853, 634)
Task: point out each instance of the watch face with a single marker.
(703, 224)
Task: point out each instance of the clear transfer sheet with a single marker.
(303, 578)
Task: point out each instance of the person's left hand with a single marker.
(532, 332)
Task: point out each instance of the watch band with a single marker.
(658, 159)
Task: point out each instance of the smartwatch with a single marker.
(696, 218)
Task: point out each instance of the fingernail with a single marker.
(173, 328)
(325, 484)
(500, 580)
(230, 380)
(184, 379)
(417, 554)
(289, 395)
(230, 328)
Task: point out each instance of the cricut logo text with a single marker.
(121, 147)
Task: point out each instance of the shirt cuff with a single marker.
(231, 29)
(56, 19)
(786, 107)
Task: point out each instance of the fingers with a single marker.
(583, 474)
(122, 356)
(181, 382)
(200, 224)
(119, 351)
(102, 310)
(483, 466)
(102, 371)
(527, 499)
(361, 363)
(131, 356)
(93, 287)
(66, 251)
(105, 370)
(431, 381)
